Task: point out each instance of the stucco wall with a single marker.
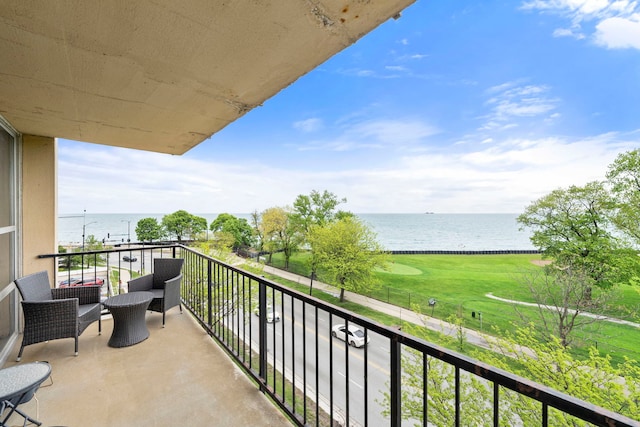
(39, 203)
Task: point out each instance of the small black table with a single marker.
(17, 386)
(128, 311)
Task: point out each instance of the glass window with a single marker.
(8, 237)
(7, 273)
(7, 318)
(6, 179)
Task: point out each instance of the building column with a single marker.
(39, 205)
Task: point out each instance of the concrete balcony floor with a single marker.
(177, 377)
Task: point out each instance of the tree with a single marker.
(594, 380)
(441, 392)
(93, 244)
(148, 230)
(565, 301)
(624, 177)
(198, 226)
(315, 209)
(348, 251)
(238, 228)
(182, 224)
(279, 233)
(572, 228)
(256, 219)
(220, 246)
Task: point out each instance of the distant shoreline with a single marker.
(400, 232)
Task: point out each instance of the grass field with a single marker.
(460, 284)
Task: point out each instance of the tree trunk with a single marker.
(313, 274)
(341, 294)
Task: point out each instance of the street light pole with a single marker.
(84, 227)
(128, 230)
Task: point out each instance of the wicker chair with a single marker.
(51, 314)
(164, 283)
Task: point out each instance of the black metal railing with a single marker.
(112, 268)
(283, 340)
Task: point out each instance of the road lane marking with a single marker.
(350, 380)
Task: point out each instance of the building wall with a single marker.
(39, 203)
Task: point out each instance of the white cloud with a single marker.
(487, 176)
(582, 9)
(567, 32)
(618, 33)
(395, 68)
(616, 22)
(510, 102)
(308, 125)
(392, 132)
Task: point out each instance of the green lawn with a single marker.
(460, 283)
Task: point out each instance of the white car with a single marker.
(354, 336)
(272, 315)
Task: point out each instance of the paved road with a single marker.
(471, 336)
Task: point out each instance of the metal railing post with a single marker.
(262, 301)
(209, 294)
(395, 398)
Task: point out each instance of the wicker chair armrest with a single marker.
(172, 291)
(173, 282)
(52, 311)
(142, 283)
(84, 294)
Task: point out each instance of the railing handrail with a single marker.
(138, 247)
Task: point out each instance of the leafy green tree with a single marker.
(440, 386)
(256, 219)
(198, 226)
(279, 232)
(347, 250)
(219, 247)
(92, 244)
(70, 262)
(624, 177)
(149, 229)
(594, 380)
(573, 227)
(238, 228)
(183, 224)
(315, 209)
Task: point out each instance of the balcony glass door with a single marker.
(8, 238)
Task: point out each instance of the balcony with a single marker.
(312, 377)
(177, 377)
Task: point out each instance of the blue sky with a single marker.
(456, 107)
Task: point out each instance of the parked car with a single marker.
(354, 336)
(272, 315)
(81, 282)
(70, 282)
(128, 258)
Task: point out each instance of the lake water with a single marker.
(394, 231)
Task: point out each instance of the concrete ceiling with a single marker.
(163, 75)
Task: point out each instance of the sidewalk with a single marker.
(471, 336)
